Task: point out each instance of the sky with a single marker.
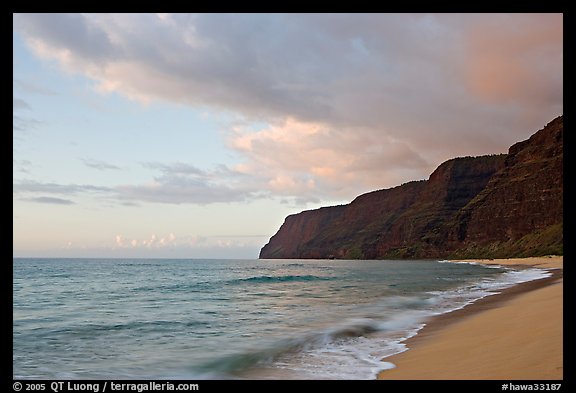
(195, 135)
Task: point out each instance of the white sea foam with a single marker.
(489, 266)
(354, 358)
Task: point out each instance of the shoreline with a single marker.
(513, 334)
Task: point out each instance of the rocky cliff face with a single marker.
(520, 212)
(489, 206)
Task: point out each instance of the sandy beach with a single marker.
(514, 335)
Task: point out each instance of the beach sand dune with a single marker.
(517, 334)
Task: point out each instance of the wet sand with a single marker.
(516, 334)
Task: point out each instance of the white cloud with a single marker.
(173, 242)
(119, 241)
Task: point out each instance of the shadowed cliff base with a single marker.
(495, 206)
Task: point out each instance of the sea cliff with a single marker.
(495, 206)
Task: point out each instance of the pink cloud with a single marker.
(515, 58)
(300, 158)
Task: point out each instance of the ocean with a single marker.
(231, 319)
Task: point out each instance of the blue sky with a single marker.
(193, 136)
(76, 136)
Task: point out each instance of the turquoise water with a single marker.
(221, 319)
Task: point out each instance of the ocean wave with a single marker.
(277, 279)
(178, 287)
(91, 329)
(334, 342)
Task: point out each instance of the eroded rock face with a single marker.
(298, 230)
(525, 197)
(498, 205)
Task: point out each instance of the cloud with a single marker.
(50, 200)
(300, 159)
(22, 166)
(98, 164)
(205, 187)
(30, 186)
(33, 88)
(352, 101)
(506, 59)
(184, 183)
(176, 168)
(22, 124)
(153, 241)
(18, 103)
(174, 242)
(54, 30)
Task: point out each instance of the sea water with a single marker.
(231, 319)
